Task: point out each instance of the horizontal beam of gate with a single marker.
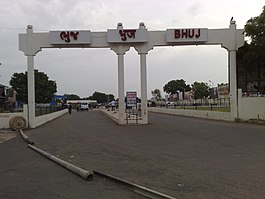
(31, 43)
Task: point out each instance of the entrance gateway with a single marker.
(120, 40)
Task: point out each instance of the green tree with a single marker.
(255, 29)
(200, 90)
(176, 85)
(157, 94)
(71, 97)
(102, 97)
(19, 84)
(44, 88)
(251, 57)
(110, 97)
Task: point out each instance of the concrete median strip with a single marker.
(87, 175)
(149, 193)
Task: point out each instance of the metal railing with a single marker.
(253, 94)
(9, 107)
(199, 104)
(132, 115)
(48, 109)
(205, 102)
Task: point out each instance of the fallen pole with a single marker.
(26, 138)
(87, 175)
(149, 193)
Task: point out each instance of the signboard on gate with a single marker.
(188, 35)
(127, 36)
(70, 37)
(131, 98)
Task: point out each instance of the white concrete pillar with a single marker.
(120, 50)
(25, 113)
(31, 91)
(144, 113)
(31, 80)
(121, 88)
(240, 106)
(233, 84)
(231, 46)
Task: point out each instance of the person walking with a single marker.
(113, 105)
(69, 108)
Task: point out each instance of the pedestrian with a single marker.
(113, 105)
(70, 108)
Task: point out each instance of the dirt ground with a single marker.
(7, 135)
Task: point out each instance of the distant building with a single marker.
(223, 90)
(7, 98)
(166, 98)
(188, 95)
(214, 92)
(78, 102)
(2, 93)
(174, 97)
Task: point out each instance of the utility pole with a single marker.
(211, 83)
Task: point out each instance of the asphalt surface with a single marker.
(179, 156)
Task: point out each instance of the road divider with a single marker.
(87, 175)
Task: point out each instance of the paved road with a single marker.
(179, 156)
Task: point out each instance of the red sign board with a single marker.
(131, 98)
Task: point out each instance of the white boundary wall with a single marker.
(40, 120)
(251, 107)
(5, 117)
(225, 116)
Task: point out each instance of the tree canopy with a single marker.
(251, 57)
(102, 97)
(156, 94)
(72, 96)
(200, 90)
(174, 86)
(44, 88)
(255, 29)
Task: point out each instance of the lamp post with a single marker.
(212, 90)
(211, 83)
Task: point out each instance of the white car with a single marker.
(84, 106)
(172, 103)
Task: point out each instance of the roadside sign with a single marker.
(131, 98)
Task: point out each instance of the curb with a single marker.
(111, 115)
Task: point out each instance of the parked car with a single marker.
(172, 103)
(112, 105)
(84, 106)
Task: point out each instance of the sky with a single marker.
(84, 71)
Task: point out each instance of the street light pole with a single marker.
(211, 83)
